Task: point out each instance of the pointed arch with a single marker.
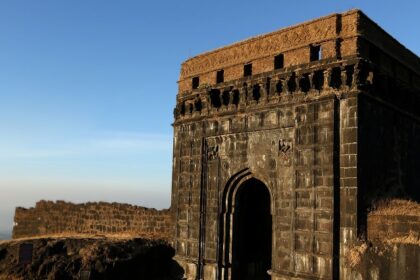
(232, 194)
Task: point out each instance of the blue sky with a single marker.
(87, 87)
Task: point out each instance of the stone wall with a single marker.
(292, 138)
(388, 153)
(293, 42)
(385, 261)
(392, 248)
(394, 220)
(328, 131)
(96, 218)
(338, 35)
(384, 227)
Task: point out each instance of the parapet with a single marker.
(326, 39)
(60, 218)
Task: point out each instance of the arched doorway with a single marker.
(251, 231)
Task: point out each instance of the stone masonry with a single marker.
(282, 142)
(50, 218)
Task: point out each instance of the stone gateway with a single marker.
(295, 156)
(282, 142)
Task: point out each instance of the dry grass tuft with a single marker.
(355, 254)
(116, 236)
(396, 207)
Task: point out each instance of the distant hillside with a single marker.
(5, 235)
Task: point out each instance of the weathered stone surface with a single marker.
(324, 115)
(394, 220)
(49, 218)
(282, 144)
(385, 261)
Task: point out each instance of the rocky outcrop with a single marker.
(88, 258)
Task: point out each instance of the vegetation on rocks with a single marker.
(90, 258)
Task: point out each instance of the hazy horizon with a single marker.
(88, 88)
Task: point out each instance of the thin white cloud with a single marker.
(34, 169)
(110, 144)
(25, 193)
(134, 142)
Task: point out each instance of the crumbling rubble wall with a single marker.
(97, 218)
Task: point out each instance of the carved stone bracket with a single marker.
(285, 146)
(213, 152)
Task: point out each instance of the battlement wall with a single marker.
(344, 35)
(293, 42)
(395, 220)
(396, 53)
(96, 218)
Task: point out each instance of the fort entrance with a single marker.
(308, 110)
(283, 143)
(251, 246)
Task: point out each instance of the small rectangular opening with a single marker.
(247, 70)
(195, 82)
(220, 76)
(316, 52)
(279, 61)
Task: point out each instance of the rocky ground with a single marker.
(88, 258)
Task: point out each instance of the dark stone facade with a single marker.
(282, 145)
(317, 121)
